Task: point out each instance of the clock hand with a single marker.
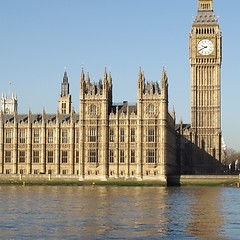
(203, 47)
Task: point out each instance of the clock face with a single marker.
(205, 47)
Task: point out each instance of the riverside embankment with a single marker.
(185, 180)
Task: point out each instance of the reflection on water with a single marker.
(205, 214)
(115, 213)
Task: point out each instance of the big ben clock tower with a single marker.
(205, 61)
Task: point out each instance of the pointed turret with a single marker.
(164, 85)
(105, 75)
(29, 116)
(82, 83)
(65, 77)
(82, 78)
(164, 81)
(110, 87)
(43, 115)
(103, 85)
(110, 79)
(140, 73)
(143, 77)
(65, 86)
(88, 79)
(65, 97)
(181, 126)
(141, 82)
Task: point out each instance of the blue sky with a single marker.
(41, 37)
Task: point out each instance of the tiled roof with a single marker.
(37, 118)
(206, 17)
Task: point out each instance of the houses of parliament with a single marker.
(108, 141)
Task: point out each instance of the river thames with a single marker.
(52, 212)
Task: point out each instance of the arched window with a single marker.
(151, 109)
(93, 109)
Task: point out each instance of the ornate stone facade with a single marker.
(102, 141)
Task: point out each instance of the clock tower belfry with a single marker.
(205, 61)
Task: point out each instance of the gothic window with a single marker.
(64, 156)
(36, 136)
(151, 109)
(21, 156)
(64, 108)
(150, 156)
(22, 136)
(133, 135)
(64, 136)
(8, 135)
(150, 134)
(50, 136)
(35, 156)
(92, 137)
(132, 156)
(93, 109)
(121, 156)
(92, 156)
(77, 136)
(111, 156)
(121, 134)
(50, 156)
(8, 156)
(111, 135)
(77, 156)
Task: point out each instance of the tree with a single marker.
(231, 156)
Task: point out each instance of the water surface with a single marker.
(42, 212)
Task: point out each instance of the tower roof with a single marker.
(65, 77)
(205, 13)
